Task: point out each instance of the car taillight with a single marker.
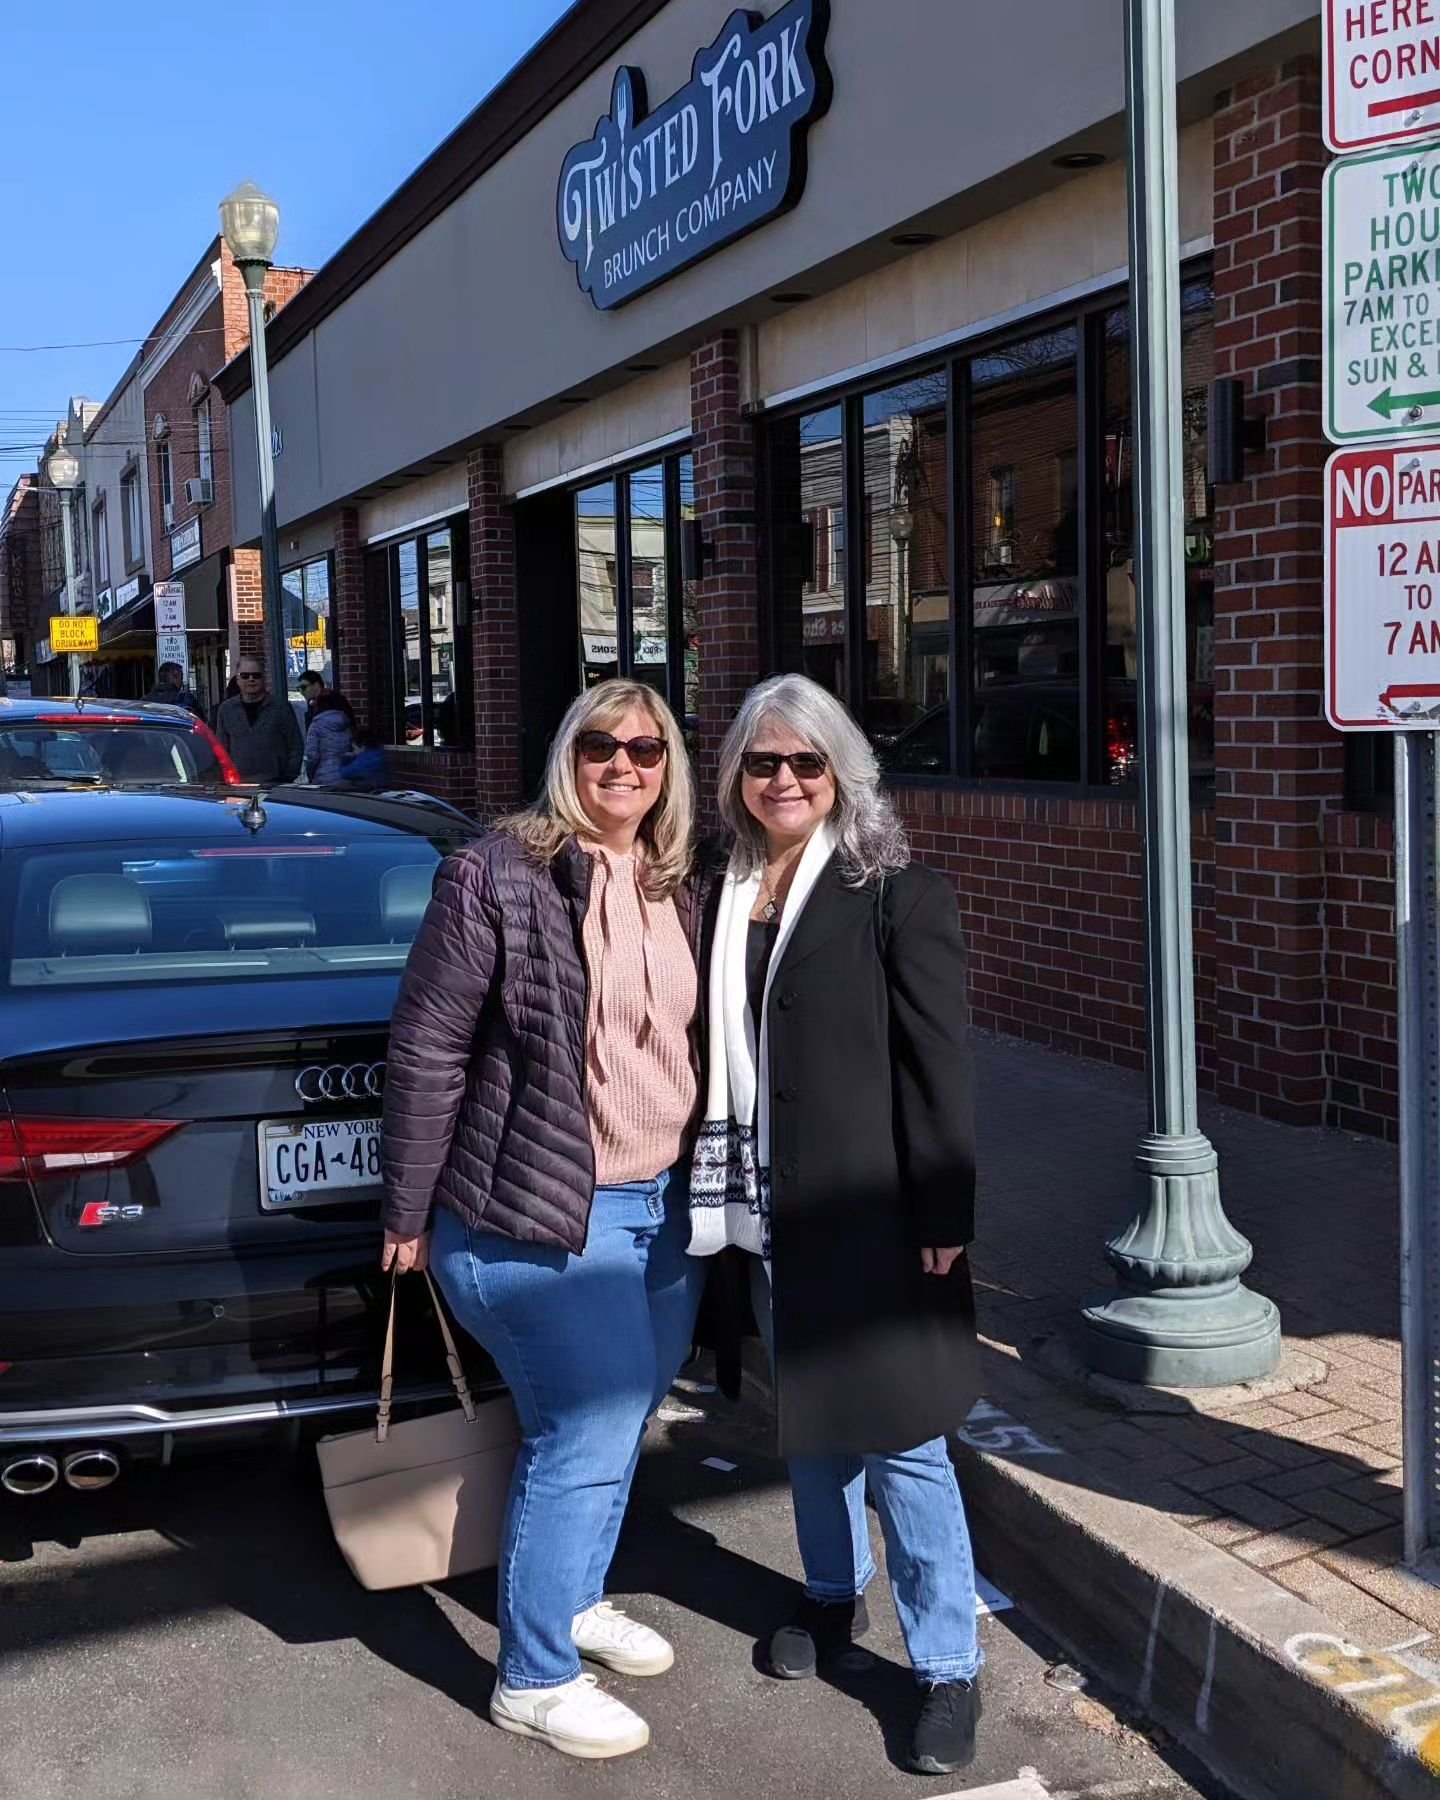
(42, 1149)
(222, 755)
(1119, 748)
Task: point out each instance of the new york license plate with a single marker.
(317, 1162)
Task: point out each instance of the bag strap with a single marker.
(387, 1362)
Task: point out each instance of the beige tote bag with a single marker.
(423, 1499)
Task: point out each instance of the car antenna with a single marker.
(253, 815)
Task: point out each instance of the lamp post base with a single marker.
(1181, 1316)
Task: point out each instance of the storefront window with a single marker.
(1026, 590)
(1118, 525)
(1028, 672)
(309, 624)
(429, 634)
(905, 548)
(638, 612)
(598, 576)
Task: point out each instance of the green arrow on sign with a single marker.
(1388, 404)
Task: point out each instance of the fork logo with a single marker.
(340, 1081)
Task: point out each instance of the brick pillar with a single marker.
(493, 634)
(1277, 761)
(728, 609)
(249, 591)
(347, 601)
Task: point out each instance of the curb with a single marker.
(1255, 1681)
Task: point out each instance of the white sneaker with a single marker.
(606, 1636)
(576, 1719)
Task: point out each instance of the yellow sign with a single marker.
(78, 634)
(310, 640)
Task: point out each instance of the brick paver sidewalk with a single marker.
(1305, 1486)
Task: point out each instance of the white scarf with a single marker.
(730, 1175)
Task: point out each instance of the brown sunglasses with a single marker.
(600, 747)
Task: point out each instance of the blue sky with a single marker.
(122, 128)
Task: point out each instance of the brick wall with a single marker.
(1278, 763)
(352, 672)
(724, 451)
(493, 634)
(186, 371)
(1360, 998)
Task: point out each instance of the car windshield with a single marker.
(132, 914)
(107, 752)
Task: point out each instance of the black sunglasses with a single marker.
(600, 747)
(764, 765)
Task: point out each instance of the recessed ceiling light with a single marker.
(788, 299)
(905, 240)
(1078, 159)
(642, 368)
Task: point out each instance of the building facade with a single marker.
(708, 347)
(19, 576)
(154, 503)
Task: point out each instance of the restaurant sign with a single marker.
(651, 193)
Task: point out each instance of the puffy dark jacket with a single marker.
(485, 1085)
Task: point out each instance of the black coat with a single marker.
(872, 1158)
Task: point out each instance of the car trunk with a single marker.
(199, 1186)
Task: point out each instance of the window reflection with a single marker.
(649, 595)
(905, 521)
(1027, 592)
(1197, 360)
(598, 578)
(810, 541)
(440, 589)
(408, 591)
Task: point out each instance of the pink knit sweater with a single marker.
(641, 1087)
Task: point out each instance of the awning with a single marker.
(205, 594)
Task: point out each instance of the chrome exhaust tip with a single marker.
(27, 1475)
(88, 1470)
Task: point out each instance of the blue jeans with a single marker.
(588, 1346)
(922, 1519)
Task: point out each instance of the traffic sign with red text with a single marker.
(1382, 72)
(1382, 588)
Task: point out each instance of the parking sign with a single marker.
(1382, 72)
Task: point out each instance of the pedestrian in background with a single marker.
(837, 1149)
(170, 690)
(311, 685)
(368, 770)
(329, 742)
(540, 1099)
(261, 733)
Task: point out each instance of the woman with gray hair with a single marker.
(837, 1148)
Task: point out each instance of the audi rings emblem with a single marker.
(340, 1081)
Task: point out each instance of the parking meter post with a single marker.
(1180, 1316)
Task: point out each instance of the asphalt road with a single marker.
(193, 1633)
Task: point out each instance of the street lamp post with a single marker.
(1181, 1316)
(63, 468)
(251, 224)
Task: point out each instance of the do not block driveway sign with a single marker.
(1382, 582)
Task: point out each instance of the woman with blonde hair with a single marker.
(540, 1096)
(837, 1148)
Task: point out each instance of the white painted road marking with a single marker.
(1027, 1787)
(989, 1599)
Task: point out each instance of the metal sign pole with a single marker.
(1417, 962)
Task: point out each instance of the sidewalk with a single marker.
(1302, 1487)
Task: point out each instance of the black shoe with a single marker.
(944, 1739)
(820, 1632)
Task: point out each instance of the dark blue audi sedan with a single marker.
(195, 989)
